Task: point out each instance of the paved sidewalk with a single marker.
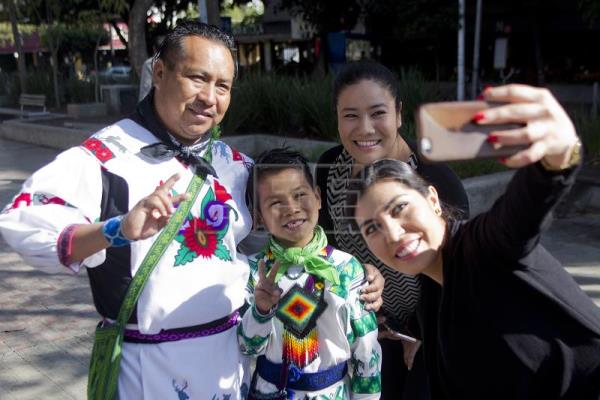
(46, 321)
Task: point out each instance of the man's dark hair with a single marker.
(171, 48)
(355, 72)
(273, 161)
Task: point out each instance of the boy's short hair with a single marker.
(272, 161)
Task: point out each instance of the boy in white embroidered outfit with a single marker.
(306, 321)
(188, 306)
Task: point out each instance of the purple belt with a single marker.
(188, 332)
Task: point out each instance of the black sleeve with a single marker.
(321, 173)
(448, 185)
(512, 227)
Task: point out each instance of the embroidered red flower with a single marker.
(221, 193)
(104, 154)
(200, 238)
(22, 198)
(237, 156)
(92, 144)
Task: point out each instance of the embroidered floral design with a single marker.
(199, 239)
(43, 198)
(23, 199)
(203, 235)
(221, 193)
(99, 149)
(180, 390)
(222, 149)
(236, 155)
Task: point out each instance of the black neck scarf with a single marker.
(169, 147)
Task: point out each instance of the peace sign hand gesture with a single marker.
(152, 213)
(266, 291)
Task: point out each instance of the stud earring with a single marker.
(438, 211)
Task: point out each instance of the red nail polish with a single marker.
(502, 160)
(492, 139)
(478, 117)
(480, 97)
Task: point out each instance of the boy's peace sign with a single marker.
(266, 291)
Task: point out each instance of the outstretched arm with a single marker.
(512, 227)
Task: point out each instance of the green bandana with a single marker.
(307, 256)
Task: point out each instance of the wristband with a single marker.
(112, 232)
(262, 318)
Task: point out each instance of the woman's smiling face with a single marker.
(368, 121)
(402, 227)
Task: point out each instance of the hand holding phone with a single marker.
(446, 132)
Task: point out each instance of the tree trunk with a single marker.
(96, 77)
(138, 52)
(12, 11)
(54, 61)
(213, 12)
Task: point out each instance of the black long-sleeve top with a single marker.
(401, 292)
(511, 322)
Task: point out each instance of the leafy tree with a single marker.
(327, 16)
(12, 12)
(67, 25)
(590, 10)
(52, 37)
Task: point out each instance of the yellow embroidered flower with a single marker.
(319, 285)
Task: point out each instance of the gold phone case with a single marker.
(446, 132)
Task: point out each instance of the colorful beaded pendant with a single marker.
(299, 310)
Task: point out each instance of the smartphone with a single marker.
(446, 132)
(397, 334)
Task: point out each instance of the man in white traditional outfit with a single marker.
(99, 205)
(103, 204)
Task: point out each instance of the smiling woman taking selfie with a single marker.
(368, 106)
(511, 323)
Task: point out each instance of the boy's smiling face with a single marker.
(289, 206)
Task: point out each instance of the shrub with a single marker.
(414, 91)
(261, 103)
(79, 91)
(38, 82)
